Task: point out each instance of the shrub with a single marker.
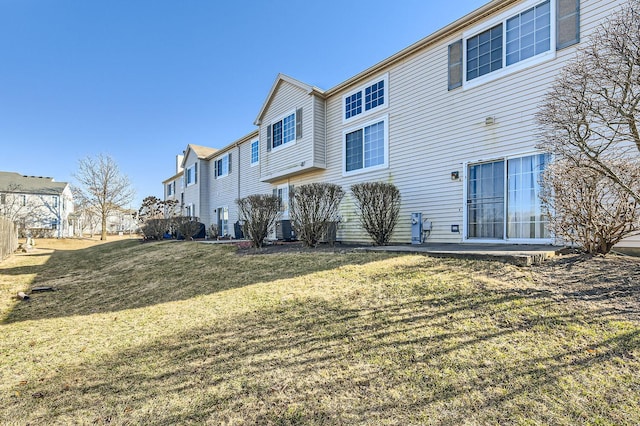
(259, 213)
(313, 208)
(379, 206)
(589, 208)
(187, 226)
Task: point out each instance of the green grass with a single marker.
(187, 333)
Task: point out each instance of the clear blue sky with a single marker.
(140, 79)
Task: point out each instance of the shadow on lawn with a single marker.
(315, 362)
(126, 275)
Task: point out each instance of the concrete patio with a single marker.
(517, 254)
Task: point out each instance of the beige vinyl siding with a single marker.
(204, 209)
(192, 192)
(224, 189)
(319, 140)
(295, 156)
(433, 132)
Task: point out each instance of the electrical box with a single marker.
(416, 228)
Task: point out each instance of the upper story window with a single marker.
(54, 201)
(223, 166)
(170, 188)
(192, 174)
(366, 98)
(366, 147)
(285, 130)
(255, 152)
(23, 200)
(513, 40)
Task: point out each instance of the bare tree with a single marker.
(313, 208)
(379, 205)
(259, 213)
(590, 116)
(589, 208)
(103, 186)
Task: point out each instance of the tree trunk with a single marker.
(103, 235)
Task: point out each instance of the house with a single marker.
(449, 120)
(39, 205)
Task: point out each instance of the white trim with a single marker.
(518, 66)
(376, 109)
(215, 164)
(465, 219)
(295, 136)
(194, 178)
(385, 120)
(252, 163)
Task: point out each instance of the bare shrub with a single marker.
(155, 218)
(259, 213)
(379, 206)
(187, 226)
(313, 208)
(588, 208)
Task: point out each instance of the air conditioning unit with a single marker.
(284, 231)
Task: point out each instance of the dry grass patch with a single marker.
(169, 333)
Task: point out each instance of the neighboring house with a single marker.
(190, 184)
(39, 205)
(450, 120)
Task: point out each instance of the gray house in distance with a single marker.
(37, 204)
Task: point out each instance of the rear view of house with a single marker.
(450, 120)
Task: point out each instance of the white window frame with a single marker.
(170, 190)
(295, 135)
(190, 169)
(55, 201)
(376, 109)
(221, 159)
(385, 120)
(257, 143)
(518, 66)
(465, 194)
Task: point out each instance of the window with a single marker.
(3, 198)
(54, 201)
(23, 200)
(529, 33)
(223, 166)
(514, 40)
(54, 224)
(192, 174)
(170, 189)
(365, 99)
(285, 130)
(484, 52)
(366, 147)
(255, 152)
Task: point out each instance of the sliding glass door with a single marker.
(503, 199)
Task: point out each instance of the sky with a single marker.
(140, 79)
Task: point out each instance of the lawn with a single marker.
(190, 333)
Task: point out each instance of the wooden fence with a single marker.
(8, 237)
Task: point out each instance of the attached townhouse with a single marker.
(38, 205)
(450, 120)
